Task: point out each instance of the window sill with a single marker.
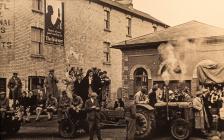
(129, 36)
(37, 56)
(37, 11)
(107, 30)
(106, 63)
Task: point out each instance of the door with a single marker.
(3, 84)
(140, 79)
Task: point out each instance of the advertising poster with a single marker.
(54, 22)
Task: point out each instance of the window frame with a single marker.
(40, 42)
(37, 6)
(30, 81)
(129, 26)
(107, 20)
(107, 55)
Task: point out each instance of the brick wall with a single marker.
(84, 34)
(149, 57)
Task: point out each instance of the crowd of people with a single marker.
(47, 98)
(88, 93)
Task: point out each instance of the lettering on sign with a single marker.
(6, 16)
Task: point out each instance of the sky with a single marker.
(174, 12)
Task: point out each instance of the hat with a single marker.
(15, 73)
(79, 74)
(144, 90)
(204, 90)
(51, 70)
(64, 92)
(101, 73)
(92, 94)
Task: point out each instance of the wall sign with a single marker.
(54, 22)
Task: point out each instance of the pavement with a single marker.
(48, 130)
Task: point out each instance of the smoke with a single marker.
(176, 57)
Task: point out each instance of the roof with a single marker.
(189, 30)
(133, 11)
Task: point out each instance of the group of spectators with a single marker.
(215, 96)
(48, 99)
(208, 103)
(156, 94)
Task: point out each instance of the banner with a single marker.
(54, 22)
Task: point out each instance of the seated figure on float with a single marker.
(64, 103)
(51, 106)
(75, 109)
(141, 97)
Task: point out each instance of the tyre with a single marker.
(144, 123)
(66, 129)
(180, 129)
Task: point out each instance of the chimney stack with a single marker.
(127, 3)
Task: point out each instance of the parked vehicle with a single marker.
(9, 122)
(68, 126)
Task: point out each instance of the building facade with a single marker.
(183, 48)
(85, 31)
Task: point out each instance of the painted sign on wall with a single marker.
(54, 22)
(6, 31)
(6, 24)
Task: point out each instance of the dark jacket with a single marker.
(92, 114)
(152, 98)
(15, 85)
(82, 89)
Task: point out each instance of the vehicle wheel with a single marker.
(181, 129)
(13, 127)
(66, 129)
(144, 123)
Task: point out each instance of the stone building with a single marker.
(89, 27)
(181, 48)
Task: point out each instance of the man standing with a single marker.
(200, 113)
(80, 88)
(15, 88)
(130, 117)
(153, 97)
(51, 84)
(92, 107)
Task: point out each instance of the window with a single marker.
(107, 20)
(2, 84)
(129, 26)
(37, 5)
(140, 79)
(106, 53)
(36, 37)
(34, 81)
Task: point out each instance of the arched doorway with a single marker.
(140, 79)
